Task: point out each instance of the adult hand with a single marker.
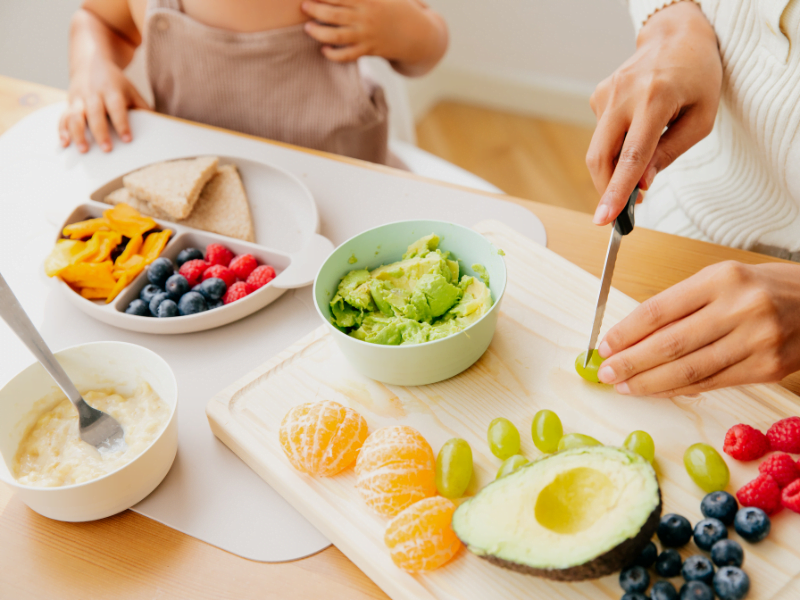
(405, 32)
(97, 90)
(729, 324)
(672, 81)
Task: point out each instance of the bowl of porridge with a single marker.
(57, 474)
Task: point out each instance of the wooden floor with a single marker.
(523, 156)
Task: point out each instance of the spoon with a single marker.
(96, 428)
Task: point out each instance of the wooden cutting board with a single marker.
(545, 317)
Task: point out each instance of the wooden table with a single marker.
(131, 556)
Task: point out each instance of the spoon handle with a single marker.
(12, 313)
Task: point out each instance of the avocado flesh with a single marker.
(578, 514)
(415, 300)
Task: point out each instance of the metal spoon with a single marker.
(96, 427)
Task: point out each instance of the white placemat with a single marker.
(209, 493)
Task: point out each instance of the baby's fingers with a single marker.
(325, 13)
(334, 36)
(345, 54)
(98, 124)
(76, 125)
(118, 113)
(63, 130)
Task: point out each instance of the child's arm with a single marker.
(103, 37)
(406, 32)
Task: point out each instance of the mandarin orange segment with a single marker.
(395, 469)
(322, 438)
(420, 537)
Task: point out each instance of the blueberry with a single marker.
(752, 524)
(720, 505)
(663, 590)
(176, 286)
(647, 556)
(192, 303)
(634, 579)
(669, 563)
(698, 568)
(727, 553)
(213, 288)
(156, 301)
(731, 583)
(674, 531)
(167, 308)
(696, 590)
(139, 308)
(708, 532)
(633, 596)
(215, 303)
(188, 254)
(160, 269)
(149, 291)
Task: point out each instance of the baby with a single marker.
(280, 69)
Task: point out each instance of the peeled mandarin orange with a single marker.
(420, 538)
(322, 438)
(395, 469)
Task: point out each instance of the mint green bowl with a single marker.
(418, 364)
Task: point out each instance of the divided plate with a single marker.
(286, 225)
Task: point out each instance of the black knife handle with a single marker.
(625, 219)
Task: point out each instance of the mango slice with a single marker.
(154, 244)
(82, 229)
(62, 255)
(127, 220)
(133, 246)
(90, 275)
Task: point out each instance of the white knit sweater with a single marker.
(740, 186)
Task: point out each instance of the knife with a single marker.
(623, 225)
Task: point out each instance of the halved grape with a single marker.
(706, 467)
(577, 440)
(640, 442)
(546, 430)
(503, 438)
(511, 464)
(453, 468)
(590, 372)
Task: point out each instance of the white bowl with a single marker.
(417, 364)
(100, 365)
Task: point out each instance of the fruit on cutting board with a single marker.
(503, 438)
(641, 443)
(590, 372)
(511, 464)
(706, 467)
(322, 438)
(578, 514)
(420, 537)
(546, 431)
(453, 468)
(395, 469)
(576, 440)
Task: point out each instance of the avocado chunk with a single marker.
(578, 514)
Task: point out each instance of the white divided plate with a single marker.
(284, 215)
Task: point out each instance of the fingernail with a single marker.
(604, 349)
(623, 388)
(601, 215)
(106, 147)
(649, 176)
(606, 374)
(126, 137)
(83, 147)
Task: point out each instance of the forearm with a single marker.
(92, 39)
(427, 44)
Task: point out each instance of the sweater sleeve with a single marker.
(641, 10)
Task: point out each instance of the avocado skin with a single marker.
(605, 564)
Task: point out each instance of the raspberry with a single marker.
(260, 277)
(762, 493)
(785, 435)
(193, 270)
(222, 272)
(781, 467)
(217, 254)
(236, 292)
(790, 498)
(243, 265)
(743, 442)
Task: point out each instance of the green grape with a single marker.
(503, 438)
(590, 372)
(453, 468)
(576, 440)
(641, 443)
(546, 430)
(511, 464)
(706, 468)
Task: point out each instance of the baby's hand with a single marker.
(97, 91)
(405, 32)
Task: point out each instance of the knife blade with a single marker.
(623, 225)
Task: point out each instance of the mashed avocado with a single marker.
(418, 299)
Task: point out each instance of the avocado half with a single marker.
(578, 514)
